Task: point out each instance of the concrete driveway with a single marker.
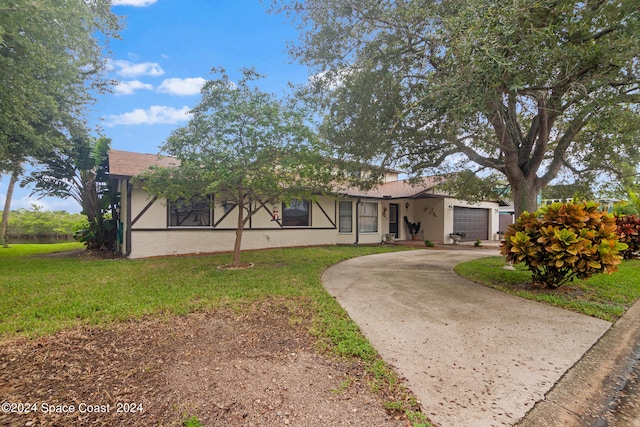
(473, 356)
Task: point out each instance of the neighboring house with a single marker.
(152, 227)
(507, 215)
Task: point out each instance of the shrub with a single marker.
(561, 242)
(629, 233)
(428, 243)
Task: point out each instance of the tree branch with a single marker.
(563, 145)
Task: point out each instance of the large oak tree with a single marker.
(529, 89)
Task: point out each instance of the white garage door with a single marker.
(473, 221)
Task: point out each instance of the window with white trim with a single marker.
(368, 217)
(345, 216)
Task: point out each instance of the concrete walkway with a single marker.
(473, 356)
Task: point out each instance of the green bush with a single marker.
(37, 225)
(629, 233)
(561, 242)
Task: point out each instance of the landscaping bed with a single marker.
(223, 368)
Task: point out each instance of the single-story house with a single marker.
(153, 227)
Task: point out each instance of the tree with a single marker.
(81, 172)
(35, 224)
(51, 61)
(242, 145)
(526, 88)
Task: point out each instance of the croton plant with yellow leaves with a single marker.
(564, 241)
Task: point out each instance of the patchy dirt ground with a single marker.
(226, 369)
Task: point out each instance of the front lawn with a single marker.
(42, 294)
(603, 296)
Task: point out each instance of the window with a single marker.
(296, 214)
(195, 212)
(345, 217)
(368, 217)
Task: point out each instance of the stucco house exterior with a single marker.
(153, 227)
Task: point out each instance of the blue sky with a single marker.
(166, 52)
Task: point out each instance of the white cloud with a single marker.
(157, 114)
(128, 87)
(126, 68)
(135, 3)
(182, 87)
(332, 79)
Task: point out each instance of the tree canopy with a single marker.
(34, 223)
(51, 63)
(529, 89)
(51, 58)
(244, 146)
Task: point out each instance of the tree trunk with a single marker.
(89, 196)
(7, 207)
(239, 229)
(525, 195)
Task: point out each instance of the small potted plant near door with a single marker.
(456, 236)
(413, 227)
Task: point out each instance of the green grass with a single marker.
(192, 422)
(19, 250)
(42, 295)
(603, 296)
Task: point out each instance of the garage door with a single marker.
(473, 221)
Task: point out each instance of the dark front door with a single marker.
(393, 219)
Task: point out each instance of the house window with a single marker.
(194, 212)
(345, 217)
(296, 214)
(368, 217)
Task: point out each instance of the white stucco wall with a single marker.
(148, 243)
(430, 213)
(151, 236)
(154, 217)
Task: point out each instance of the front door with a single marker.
(393, 219)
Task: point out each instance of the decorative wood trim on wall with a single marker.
(222, 218)
(326, 215)
(264, 205)
(145, 209)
